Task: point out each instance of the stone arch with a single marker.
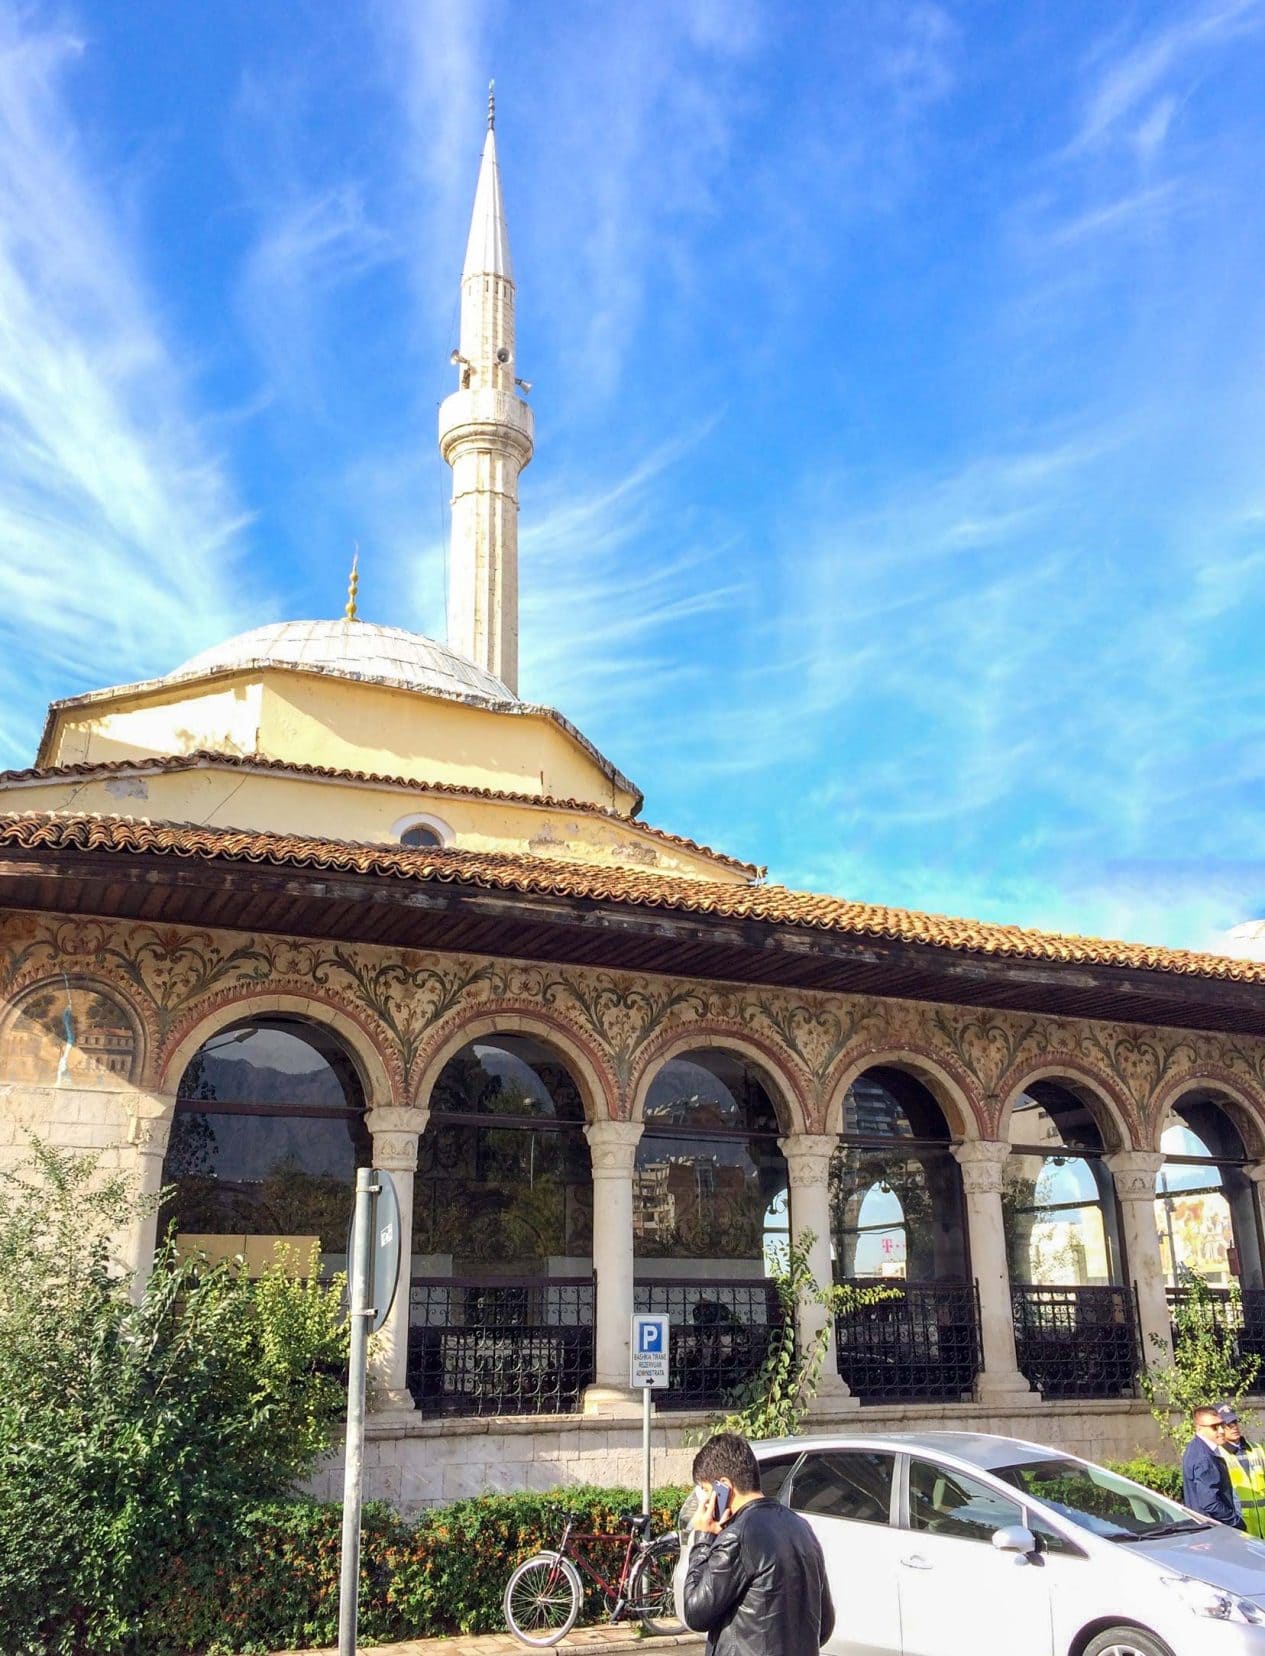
(366, 1054)
(944, 1080)
(783, 1089)
(1106, 1100)
(63, 985)
(1245, 1107)
(591, 1073)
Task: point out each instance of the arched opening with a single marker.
(1206, 1215)
(502, 1297)
(709, 1210)
(268, 1131)
(1075, 1332)
(897, 1221)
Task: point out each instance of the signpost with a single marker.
(647, 1370)
(373, 1268)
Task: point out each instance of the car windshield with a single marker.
(1098, 1501)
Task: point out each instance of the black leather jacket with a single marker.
(759, 1587)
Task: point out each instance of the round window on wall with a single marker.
(422, 833)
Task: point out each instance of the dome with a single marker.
(354, 650)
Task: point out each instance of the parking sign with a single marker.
(648, 1351)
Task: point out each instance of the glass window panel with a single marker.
(284, 1064)
(945, 1502)
(852, 1484)
(1205, 1210)
(1093, 1498)
(887, 1103)
(510, 1075)
(1055, 1215)
(1196, 1233)
(921, 1184)
(1051, 1116)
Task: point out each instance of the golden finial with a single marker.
(491, 104)
(353, 583)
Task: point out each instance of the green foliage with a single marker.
(774, 1404)
(1206, 1366)
(1163, 1478)
(444, 1574)
(134, 1430)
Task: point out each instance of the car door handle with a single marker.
(915, 1562)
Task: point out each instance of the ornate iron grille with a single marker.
(1076, 1342)
(1242, 1315)
(923, 1345)
(520, 1345)
(721, 1333)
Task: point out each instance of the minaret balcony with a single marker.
(486, 416)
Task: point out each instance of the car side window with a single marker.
(945, 1502)
(853, 1483)
(773, 1474)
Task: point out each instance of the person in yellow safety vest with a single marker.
(1247, 1471)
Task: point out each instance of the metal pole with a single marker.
(645, 1449)
(354, 1453)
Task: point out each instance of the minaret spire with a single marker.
(486, 436)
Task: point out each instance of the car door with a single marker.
(848, 1498)
(959, 1595)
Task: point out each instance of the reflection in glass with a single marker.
(1058, 1206)
(504, 1176)
(1205, 1209)
(268, 1132)
(710, 1183)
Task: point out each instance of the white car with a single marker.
(961, 1544)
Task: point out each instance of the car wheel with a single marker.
(1126, 1641)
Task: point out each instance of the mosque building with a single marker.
(333, 893)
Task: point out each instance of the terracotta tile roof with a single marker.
(539, 876)
(203, 759)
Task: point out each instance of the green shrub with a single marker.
(1152, 1474)
(134, 1431)
(1206, 1366)
(444, 1574)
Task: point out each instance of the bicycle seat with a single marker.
(637, 1522)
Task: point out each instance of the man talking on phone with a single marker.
(756, 1580)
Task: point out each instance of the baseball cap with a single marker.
(1227, 1414)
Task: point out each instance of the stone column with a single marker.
(1134, 1172)
(148, 1131)
(613, 1147)
(808, 1174)
(1256, 1172)
(983, 1162)
(395, 1135)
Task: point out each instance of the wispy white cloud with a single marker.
(118, 527)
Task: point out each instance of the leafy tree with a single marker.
(1206, 1367)
(774, 1404)
(132, 1428)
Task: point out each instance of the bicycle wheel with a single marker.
(650, 1586)
(542, 1599)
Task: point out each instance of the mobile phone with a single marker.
(722, 1493)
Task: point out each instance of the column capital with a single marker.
(613, 1147)
(1134, 1173)
(395, 1118)
(808, 1157)
(149, 1120)
(983, 1164)
(1255, 1171)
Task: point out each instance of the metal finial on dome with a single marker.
(353, 585)
(491, 104)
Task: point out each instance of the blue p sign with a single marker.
(650, 1337)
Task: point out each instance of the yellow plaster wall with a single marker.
(346, 811)
(223, 717)
(368, 727)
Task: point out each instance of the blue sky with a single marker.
(898, 510)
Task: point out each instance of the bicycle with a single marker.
(544, 1595)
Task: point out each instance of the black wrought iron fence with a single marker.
(721, 1333)
(520, 1345)
(1076, 1341)
(922, 1344)
(1239, 1313)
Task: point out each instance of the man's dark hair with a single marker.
(727, 1456)
(1207, 1411)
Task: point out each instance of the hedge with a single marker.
(444, 1573)
(441, 1574)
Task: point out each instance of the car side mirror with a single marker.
(1015, 1538)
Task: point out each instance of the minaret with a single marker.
(485, 435)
